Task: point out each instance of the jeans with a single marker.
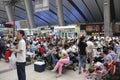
(55, 60)
(21, 70)
(82, 61)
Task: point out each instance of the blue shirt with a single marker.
(108, 58)
(112, 54)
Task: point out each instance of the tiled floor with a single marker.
(32, 75)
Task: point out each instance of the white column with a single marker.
(8, 9)
(60, 12)
(107, 23)
(28, 5)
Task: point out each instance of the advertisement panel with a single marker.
(41, 5)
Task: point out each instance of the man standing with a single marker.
(82, 47)
(21, 56)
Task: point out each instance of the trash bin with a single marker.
(39, 66)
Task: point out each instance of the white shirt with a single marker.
(90, 46)
(21, 46)
(74, 48)
(69, 49)
(64, 52)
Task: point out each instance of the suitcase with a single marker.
(39, 66)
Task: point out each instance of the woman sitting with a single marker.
(63, 60)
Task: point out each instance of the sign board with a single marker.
(24, 24)
(45, 30)
(41, 5)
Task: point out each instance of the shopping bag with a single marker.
(12, 58)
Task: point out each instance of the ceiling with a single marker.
(75, 12)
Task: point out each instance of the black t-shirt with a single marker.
(82, 46)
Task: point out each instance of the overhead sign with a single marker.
(41, 5)
(24, 24)
(45, 30)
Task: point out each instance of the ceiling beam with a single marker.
(41, 19)
(44, 17)
(19, 17)
(56, 13)
(53, 12)
(80, 12)
(15, 15)
(34, 15)
(92, 23)
(71, 13)
(50, 15)
(2, 10)
(89, 10)
(3, 17)
(101, 13)
(20, 8)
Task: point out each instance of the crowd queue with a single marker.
(99, 53)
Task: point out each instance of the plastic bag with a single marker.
(12, 58)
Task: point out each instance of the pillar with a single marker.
(60, 12)
(29, 10)
(8, 9)
(107, 23)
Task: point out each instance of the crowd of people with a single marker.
(99, 53)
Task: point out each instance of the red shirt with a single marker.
(43, 39)
(42, 50)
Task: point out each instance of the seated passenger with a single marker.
(112, 53)
(107, 57)
(63, 60)
(42, 50)
(73, 53)
(32, 47)
(56, 56)
(98, 57)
